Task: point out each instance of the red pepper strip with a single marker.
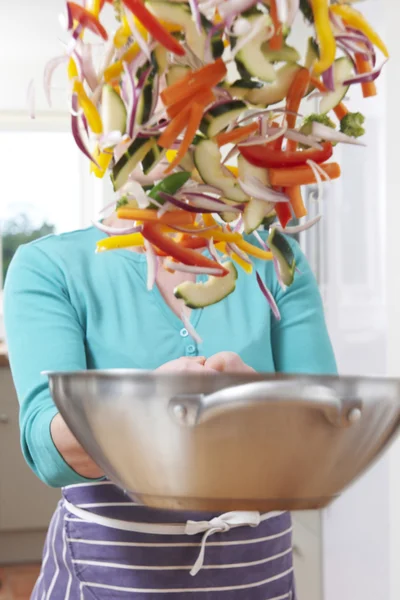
(296, 200)
(152, 233)
(264, 156)
(87, 20)
(296, 93)
(283, 212)
(276, 42)
(149, 22)
(276, 144)
(205, 77)
(193, 242)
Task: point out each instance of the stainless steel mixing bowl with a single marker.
(229, 442)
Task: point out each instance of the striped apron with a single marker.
(101, 545)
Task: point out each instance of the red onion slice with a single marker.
(116, 230)
(76, 131)
(269, 297)
(152, 264)
(255, 189)
(234, 248)
(323, 132)
(293, 8)
(190, 231)
(30, 97)
(301, 138)
(212, 250)
(190, 329)
(88, 69)
(48, 74)
(366, 77)
(260, 241)
(327, 79)
(194, 8)
(173, 266)
(141, 42)
(168, 199)
(295, 229)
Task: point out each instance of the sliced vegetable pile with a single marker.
(195, 115)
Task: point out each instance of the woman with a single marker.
(66, 309)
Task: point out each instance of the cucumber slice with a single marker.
(217, 119)
(145, 103)
(180, 14)
(312, 53)
(175, 73)
(342, 69)
(285, 54)
(128, 161)
(256, 210)
(159, 59)
(277, 91)
(152, 158)
(251, 59)
(113, 111)
(207, 159)
(282, 251)
(215, 289)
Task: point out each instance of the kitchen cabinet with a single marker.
(26, 504)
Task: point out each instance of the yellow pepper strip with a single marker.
(355, 19)
(247, 267)
(236, 238)
(90, 111)
(233, 170)
(103, 159)
(95, 9)
(326, 39)
(72, 69)
(116, 242)
(114, 71)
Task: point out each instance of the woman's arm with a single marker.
(300, 341)
(44, 334)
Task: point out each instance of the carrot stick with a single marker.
(296, 92)
(303, 175)
(236, 135)
(206, 76)
(364, 66)
(175, 217)
(340, 110)
(195, 117)
(296, 200)
(176, 126)
(178, 107)
(276, 41)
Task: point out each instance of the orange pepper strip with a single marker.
(340, 110)
(175, 217)
(303, 175)
(236, 135)
(296, 200)
(276, 42)
(364, 66)
(206, 76)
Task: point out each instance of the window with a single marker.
(45, 186)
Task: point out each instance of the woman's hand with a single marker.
(228, 362)
(71, 451)
(185, 364)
